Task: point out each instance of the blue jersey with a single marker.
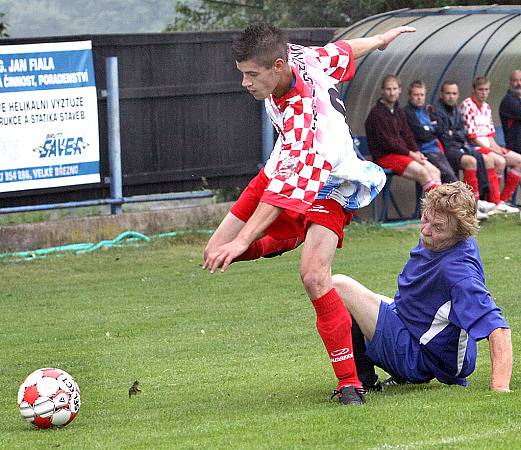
(444, 303)
(425, 121)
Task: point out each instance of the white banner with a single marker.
(48, 116)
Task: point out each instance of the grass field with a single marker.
(232, 360)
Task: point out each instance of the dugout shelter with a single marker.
(457, 43)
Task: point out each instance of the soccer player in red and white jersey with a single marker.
(313, 179)
(480, 131)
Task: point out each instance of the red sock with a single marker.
(334, 326)
(267, 246)
(429, 185)
(511, 182)
(493, 183)
(470, 176)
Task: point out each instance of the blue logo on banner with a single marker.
(55, 145)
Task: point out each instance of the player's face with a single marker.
(259, 80)
(515, 82)
(391, 92)
(481, 92)
(417, 96)
(436, 231)
(450, 94)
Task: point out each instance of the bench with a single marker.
(388, 198)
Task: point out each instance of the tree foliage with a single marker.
(3, 27)
(232, 14)
(37, 18)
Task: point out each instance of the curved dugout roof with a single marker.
(457, 43)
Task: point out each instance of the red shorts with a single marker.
(486, 150)
(395, 162)
(328, 213)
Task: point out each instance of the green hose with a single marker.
(123, 239)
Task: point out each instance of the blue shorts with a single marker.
(395, 350)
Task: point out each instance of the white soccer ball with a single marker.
(49, 398)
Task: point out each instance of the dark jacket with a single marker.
(510, 115)
(388, 132)
(448, 118)
(422, 127)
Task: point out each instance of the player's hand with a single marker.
(418, 157)
(224, 255)
(392, 34)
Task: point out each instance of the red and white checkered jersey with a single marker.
(314, 151)
(477, 119)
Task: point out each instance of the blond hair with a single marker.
(457, 202)
(480, 81)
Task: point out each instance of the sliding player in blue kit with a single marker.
(442, 306)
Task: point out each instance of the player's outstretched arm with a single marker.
(500, 345)
(363, 46)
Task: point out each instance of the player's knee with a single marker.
(342, 283)
(489, 162)
(314, 279)
(468, 162)
(422, 175)
(499, 162)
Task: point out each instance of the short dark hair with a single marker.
(448, 83)
(391, 77)
(261, 42)
(417, 84)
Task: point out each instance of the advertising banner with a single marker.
(48, 116)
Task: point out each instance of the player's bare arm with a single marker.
(496, 147)
(490, 143)
(481, 142)
(363, 46)
(226, 232)
(500, 345)
(223, 255)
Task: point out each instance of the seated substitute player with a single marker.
(478, 168)
(313, 179)
(391, 142)
(422, 128)
(442, 306)
(480, 131)
(510, 113)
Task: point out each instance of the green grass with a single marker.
(55, 214)
(232, 360)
